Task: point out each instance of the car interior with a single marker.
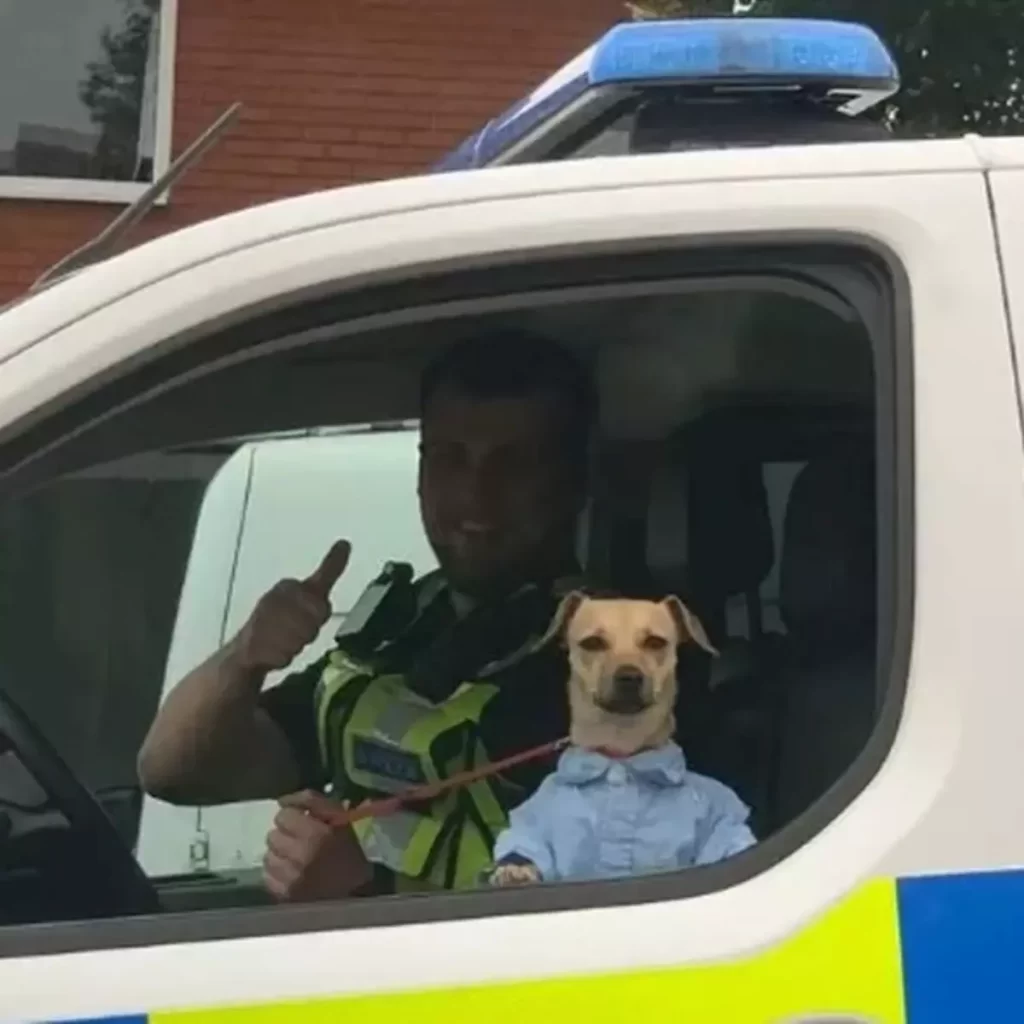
(735, 466)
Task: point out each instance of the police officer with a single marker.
(433, 675)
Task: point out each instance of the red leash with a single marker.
(339, 816)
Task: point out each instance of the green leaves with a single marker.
(960, 60)
(643, 10)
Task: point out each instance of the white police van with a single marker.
(803, 333)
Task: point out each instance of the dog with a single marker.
(621, 799)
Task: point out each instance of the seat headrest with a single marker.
(731, 544)
(827, 571)
(709, 529)
(668, 529)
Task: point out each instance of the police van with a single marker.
(803, 335)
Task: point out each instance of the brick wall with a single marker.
(335, 91)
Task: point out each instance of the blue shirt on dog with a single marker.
(598, 816)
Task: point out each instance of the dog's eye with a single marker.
(594, 643)
(655, 643)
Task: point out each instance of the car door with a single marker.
(1004, 159)
(813, 921)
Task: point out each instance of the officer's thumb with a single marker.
(329, 571)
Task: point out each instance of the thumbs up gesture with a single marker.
(290, 615)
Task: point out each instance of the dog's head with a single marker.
(623, 652)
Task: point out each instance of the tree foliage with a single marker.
(650, 9)
(960, 60)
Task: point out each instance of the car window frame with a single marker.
(504, 282)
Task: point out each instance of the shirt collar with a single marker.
(462, 605)
(559, 582)
(664, 765)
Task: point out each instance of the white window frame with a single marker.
(86, 190)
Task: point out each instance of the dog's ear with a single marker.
(688, 626)
(567, 608)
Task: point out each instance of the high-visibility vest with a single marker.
(377, 737)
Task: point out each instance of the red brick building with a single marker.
(334, 91)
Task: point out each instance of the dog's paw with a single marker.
(514, 874)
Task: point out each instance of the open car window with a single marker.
(741, 405)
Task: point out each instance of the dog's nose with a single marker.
(629, 681)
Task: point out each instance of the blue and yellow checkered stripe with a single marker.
(944, 949)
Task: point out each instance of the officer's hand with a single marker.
(290, 615)
(308, 860)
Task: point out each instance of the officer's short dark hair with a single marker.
(516, 364)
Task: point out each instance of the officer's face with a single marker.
(497, 495)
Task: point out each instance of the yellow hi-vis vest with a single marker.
(378, 737)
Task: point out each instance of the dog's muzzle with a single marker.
(627, 692)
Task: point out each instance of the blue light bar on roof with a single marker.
(736, 48)
(567, 84)
(841, 58)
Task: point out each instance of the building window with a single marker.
(85, 97)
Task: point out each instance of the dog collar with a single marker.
(617, 755)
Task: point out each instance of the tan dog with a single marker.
(622, 680)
